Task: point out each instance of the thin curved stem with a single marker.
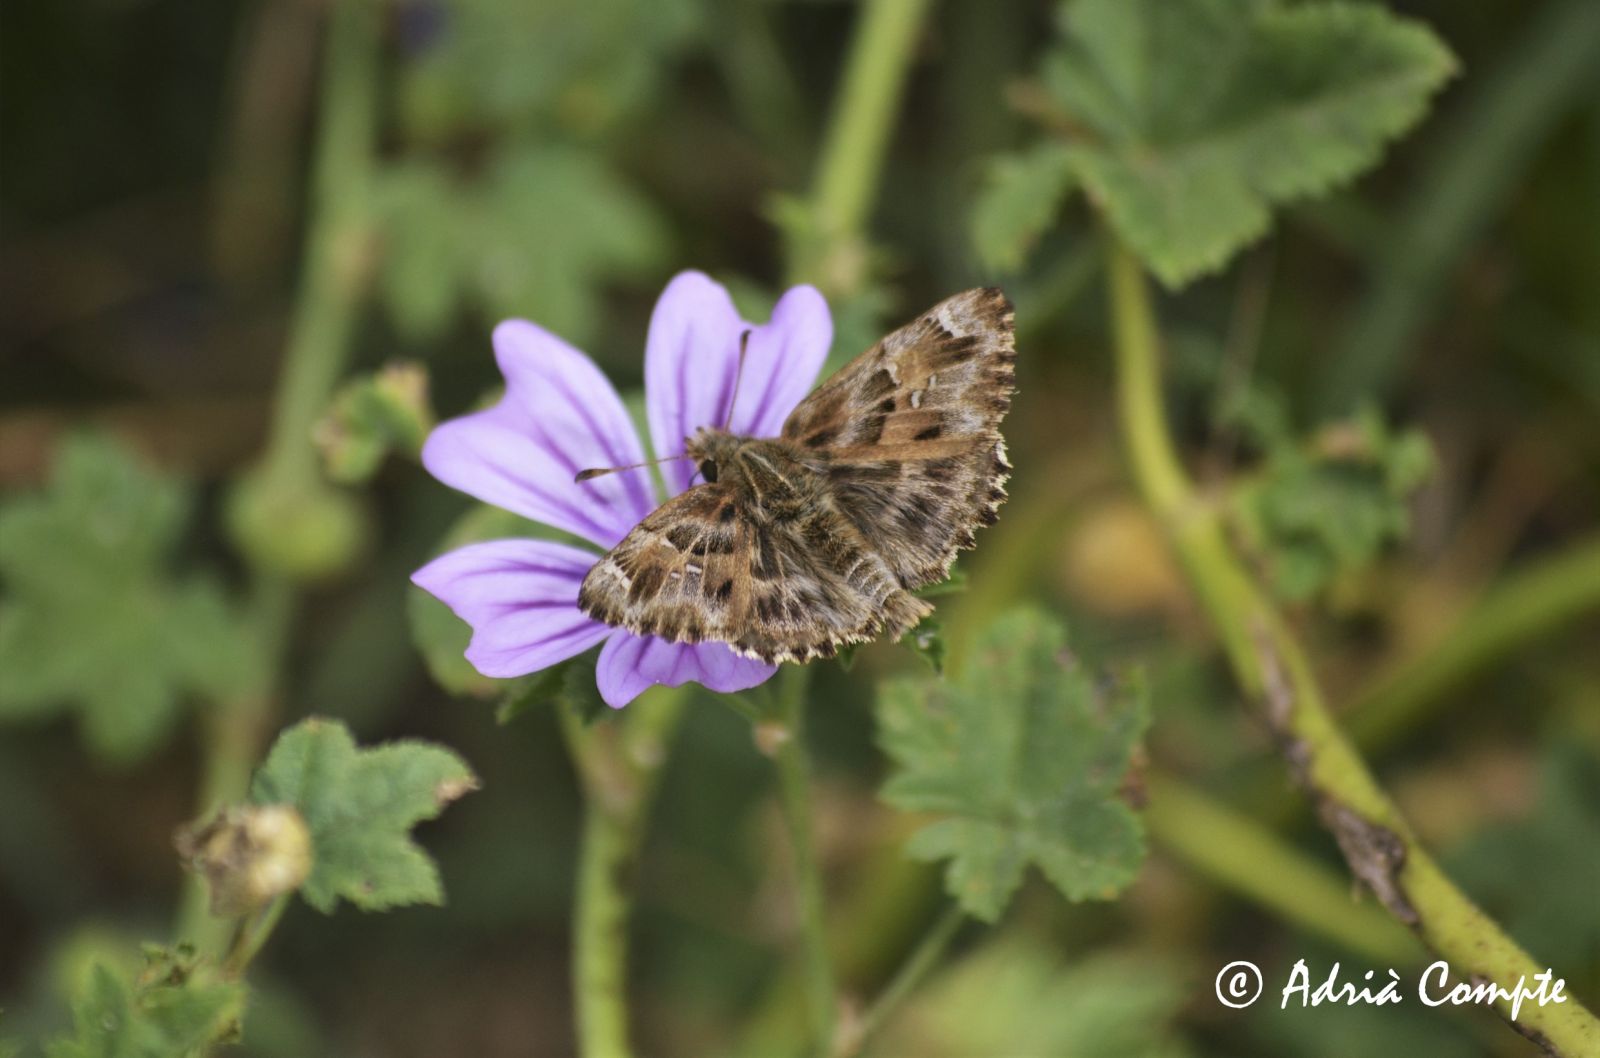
(618, 765)
(1273, 670)
(923, 958)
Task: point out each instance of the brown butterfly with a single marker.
(797, 545)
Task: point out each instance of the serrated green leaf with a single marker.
(1022, 757)
(1331, 506)
(451, 239)
(85, 565)
(360, 805)
(1022, 194)
(169, 1015)
(1206, 114)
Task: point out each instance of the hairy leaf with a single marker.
(1021, 757)
(1203, 115)
(176, 1009)
(1331, 506)
(1020, 198)
(93, 620)
(360, 806)
(534, 235)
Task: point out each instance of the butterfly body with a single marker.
(797, 545)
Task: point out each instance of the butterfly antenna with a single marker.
(595, 472)
(738, 374)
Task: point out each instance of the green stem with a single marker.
(1273, 670)
(794, 774)
(252, 935)
(923, 958)
(618, 763)
(830, 251)
(1245, 857)
(319, 343)
(1546, 596)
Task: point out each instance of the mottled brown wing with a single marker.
(699, 568)
(910, 431)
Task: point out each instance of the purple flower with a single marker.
(559, 415)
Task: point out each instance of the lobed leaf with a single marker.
(360, 806)
(85, 565)
(1021, 196)
(1021, 757)
(177, 1009)
(1201, 116)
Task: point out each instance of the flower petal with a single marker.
(782, 362)
(521, 599)
(559, 416)
(629, 664)
(689, 363)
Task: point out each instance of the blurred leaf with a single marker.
(569, 684)
(373, 415)
(534, 236)
(178, 1008)
(360, 805)
(1550, 909)
(582, 65)
(1021, 196)
(442, 637)
(1206, 114)
(1022, 756)
(1015, 996)
(926, 640)
(85, 565)
(1330, 507)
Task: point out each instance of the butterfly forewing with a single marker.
(816, 539)
(911, 432)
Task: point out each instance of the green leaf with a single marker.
(1022, 194)
(85, 565)
(1329, 507)
(535, 234)
(360, 805)
(372, 416)
(1205, 114)
(179, 1007)
(926, 640)
(1015, 995)
(581, 65)
(1022, 757)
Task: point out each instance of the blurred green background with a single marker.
(559, 161)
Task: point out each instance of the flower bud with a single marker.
(249, 855)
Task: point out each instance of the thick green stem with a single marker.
(923, 958)
(829, 250)
(618, 763)
(1274, 671)
(794, 774)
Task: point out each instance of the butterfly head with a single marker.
(711, 450)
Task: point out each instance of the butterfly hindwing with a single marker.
(801, 544)
(910, 430)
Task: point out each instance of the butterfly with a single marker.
(798, 545)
